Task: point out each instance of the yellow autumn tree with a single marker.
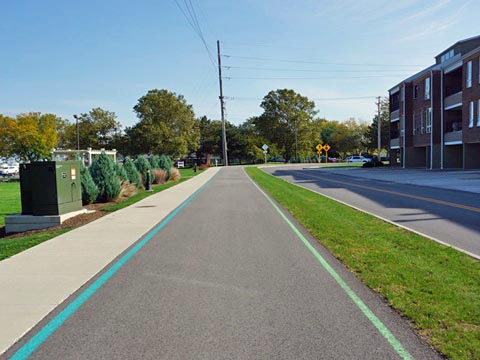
(30, 137)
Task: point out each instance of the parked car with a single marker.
(357, 159)
(8, 170)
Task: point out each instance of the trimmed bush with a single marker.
(142, 166)
(166, 164)
(121, 173)
(89, 189)
(154, 162)
(132, 173)
(105, 177)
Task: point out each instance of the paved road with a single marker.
(228, 278)
(447, 215)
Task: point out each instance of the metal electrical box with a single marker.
(50, 187)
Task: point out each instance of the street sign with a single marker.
(265, 147)
(319, 147)
(326, 147)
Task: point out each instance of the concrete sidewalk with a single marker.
(37, 280)
(452, 180)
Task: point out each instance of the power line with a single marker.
(311, 70)
(315, 99)
(308, 78)
(315, 62)
(193, 22)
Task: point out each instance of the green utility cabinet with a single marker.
(50, 187)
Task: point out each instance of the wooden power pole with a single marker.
(222, 107)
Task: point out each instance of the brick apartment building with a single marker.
(435, 114)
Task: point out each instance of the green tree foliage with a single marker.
(143, 166)
(167, 125)
(210, 138)
(154, 161)
(97, 129)
(132, 172)
(105, 177)
(89, 189)
(121, 173)
(344, 137)
(30, 137)
(286, 122)
(165, 163)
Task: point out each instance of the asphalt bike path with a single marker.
(228, 276)
(448, 216)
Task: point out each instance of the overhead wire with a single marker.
(229, 67)
(307, 78)
(316, 61)
(193, 22)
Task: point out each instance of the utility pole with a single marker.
(379, 132)
(222, 107)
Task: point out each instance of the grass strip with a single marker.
(10, 200)
(435, 286)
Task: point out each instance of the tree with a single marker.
(89, 189)
(286, 122)
(106, 178)
(372, 133)
(167, 124)
(30, 137)
(97, 129)
(132, 172)
(210, 141)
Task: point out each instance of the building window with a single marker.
(415, 91)
(470, 114)
(427, 88)
(478, 113)
(428, 115)
(422, 127)
(403, 91)
(469, 75)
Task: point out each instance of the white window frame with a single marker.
(428, 114)
(468, 80)
(427, 89)
(470, 114)
(422, 127)
(478, 113)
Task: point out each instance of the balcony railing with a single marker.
(453, 136)
(395, 115)
(455, 99)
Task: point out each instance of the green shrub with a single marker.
(132, 173)
(142, 166)
(89, 189)
(154, 162)
(121, 173)
(166, 164)
(106, 178)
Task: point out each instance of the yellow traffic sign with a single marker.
(319, 147)
(326, 147)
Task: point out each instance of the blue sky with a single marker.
(67, 57)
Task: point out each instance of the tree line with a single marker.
(167, 125)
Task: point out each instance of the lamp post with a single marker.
(78, 134)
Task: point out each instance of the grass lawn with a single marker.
(10, 204)
(437, 287)
(10, 200)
